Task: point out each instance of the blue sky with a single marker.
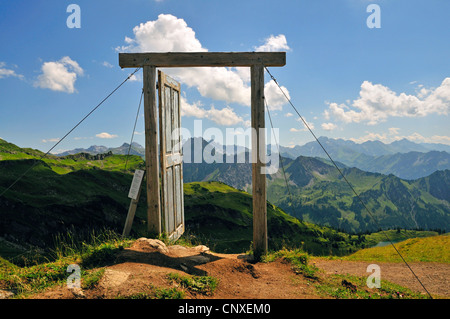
(348, 80)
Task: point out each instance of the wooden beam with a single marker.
(151, 151)
(258, 162)
(202, 59)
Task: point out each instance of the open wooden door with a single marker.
(171, 156)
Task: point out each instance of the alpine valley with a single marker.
(317, 210)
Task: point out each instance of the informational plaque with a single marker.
(136, 184)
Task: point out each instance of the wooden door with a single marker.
(171, 156)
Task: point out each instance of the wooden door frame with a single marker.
(256, 61)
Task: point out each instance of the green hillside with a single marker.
(77, 194)
(222, 217)
(321, 196)
(45, 203)
(70, 163)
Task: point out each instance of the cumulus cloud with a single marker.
(377, 102)
(106, 135)
(273, 44)
(328, 126)
(59, 75)
(7, 72)
(225, 116)
(275, 98)
(169, 33)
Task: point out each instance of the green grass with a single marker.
(339, 286)
(28, 280)
(157, 293)
(355, 287)
(205, 285)
(91, 255)
(428, 249)
(297, 258)
(396, 235)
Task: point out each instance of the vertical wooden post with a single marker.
(258, 162)
(134, 194)
(130, 215)
(151, 151)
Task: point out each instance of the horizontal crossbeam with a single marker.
(202, 59)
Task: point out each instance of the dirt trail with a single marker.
(147, 263)
(434, 276)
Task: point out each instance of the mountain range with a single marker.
(403, 158)
(371, 148)
(317, 193)
(90, 195)
(136, 149)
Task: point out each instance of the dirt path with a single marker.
(146, 264)
(434, 276)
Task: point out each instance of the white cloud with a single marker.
(169, 33)
(107, 64)
(392, 136)
(288, 114)
(59, 75)
(293, 129)
(5, 72)
(311, 125)
(50, 140)
(135, 78)
(377, 102)
(77, 138)
(328, 126)
(370, 137)
(393, 130)
(275, 98)
(194, 110)
(225, 116)
(105, 135)
(418, 138)
(274, 43)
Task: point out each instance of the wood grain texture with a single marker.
(151, 151)
(170, 156)
(259, 194)
(201, 59)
